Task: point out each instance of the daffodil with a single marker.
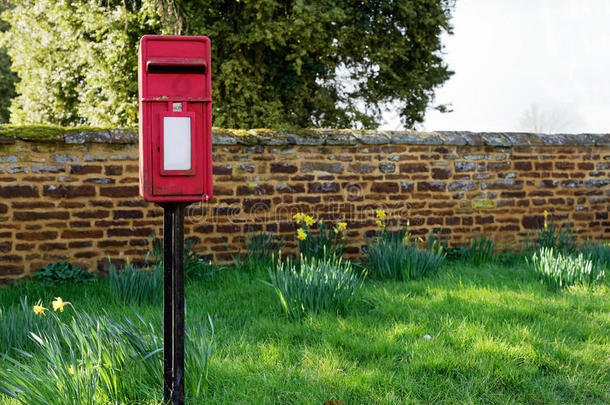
(380, 214)
(298, 217)
(342, 226)
(60, 304)
(301, 235)
(71, 370)
(336, 230)
(380, 223)
(309, 221)
(408, 223)
(39, 309)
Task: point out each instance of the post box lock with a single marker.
(175, 118)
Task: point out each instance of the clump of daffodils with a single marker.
(58, 304)
(301, 234)
(321, 242)
(303, 218)
(380, 214)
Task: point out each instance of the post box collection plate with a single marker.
(175, 103)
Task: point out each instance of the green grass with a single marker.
(498, 336)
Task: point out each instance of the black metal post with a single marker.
(173, 303)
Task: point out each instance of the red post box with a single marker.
(175, 97)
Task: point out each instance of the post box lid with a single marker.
(174, 68)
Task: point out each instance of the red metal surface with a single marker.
(175, 70)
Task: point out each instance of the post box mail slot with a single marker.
(175, 118)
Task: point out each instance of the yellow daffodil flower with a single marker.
(336, 230)
(298, 217)
(546, 213)
(60, 304)
(301, 235)
(39, 309)
(309, 221)
(380, 214)
(408, 223)
(342, 226)
(71, 370)
(379, 223)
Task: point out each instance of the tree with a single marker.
(7, 77)
(329, 63)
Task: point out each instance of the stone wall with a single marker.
(73, 194)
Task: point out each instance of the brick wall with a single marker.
(73, 195)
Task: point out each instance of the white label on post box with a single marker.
(176, 143)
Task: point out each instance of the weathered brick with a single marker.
(463, 186)
(290, 188)
(512, 194)
(3, 208)
(129, 232)
(597, 183)
(120, 191)
(38, 168)
(384, 187)
(100, 180)
(498, 166)
(431, 186)
(524, 166)
(361, 168)
(222, 169)
(113, 170)
(131, 214)
(441, 174)
(548, 183)
(19, 190)
(413, 168)
(532, 221)
(386, 167)
(44, 235)
(38, 215)
(91, 214)
(279, 168)
(89, 234)
(307, 167)
(64, 158)
(6, 246)
(325, 187)
(10, 270)
(406, 186)
(255, 189)
(68, 191)
(502, 185)
(564, 166)
(464, 166)
(252, 206)
(85, 169)
(483, 220)
(45, 247)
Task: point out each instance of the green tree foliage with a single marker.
(77, 60)
(7, 77)
(329, 63)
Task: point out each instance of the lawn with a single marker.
(470, 334)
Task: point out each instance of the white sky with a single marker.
(551, 57)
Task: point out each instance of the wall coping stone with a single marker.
(83, 135)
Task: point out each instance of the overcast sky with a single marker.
(526, 65)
